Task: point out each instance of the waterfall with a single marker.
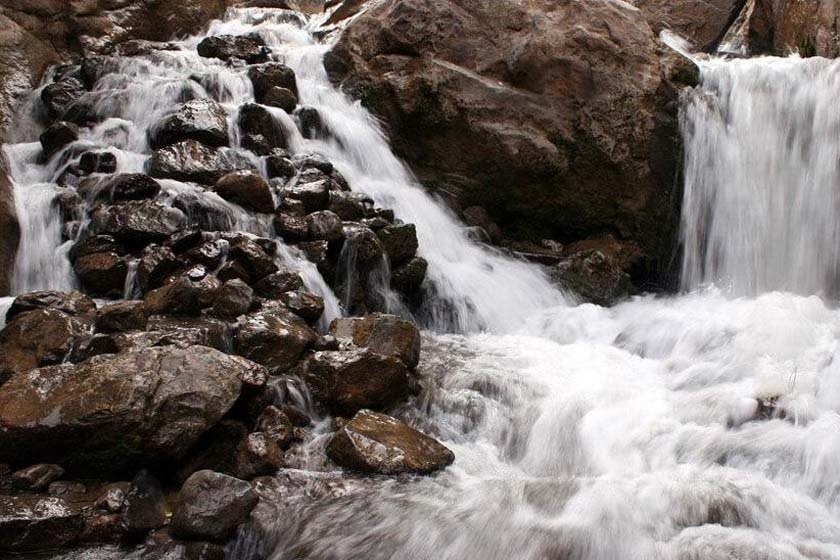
(762, 167)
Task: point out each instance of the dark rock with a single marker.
(203, 213)
(408, 278)
(103, 529)
(400, 242)
(476, 216)
(137, 222)
(260, 131)
(303, 304)
(305, 162)
(101, 274)
(182, 332)
(72, 490)
(203, 120)
(246, 189)
(185, 240)
(379, 444)
(183, 295)
(210, 253)
(350, 206)
(233, 270)
(250, 48)
(281, 98)
(31, 523)
(254, 259)
(277, 426)
(57, 136)
(58, 96)
(327, 342)
(94, 68)
(258, 455)
(315, 196)
(211, 505)
(234, 299)
(120, 188)
(267, 76)
(315, 251)
(275, 338)
(195, 550)
(72, 303)
(310, 123)
(144, 506)
(388, 335)
(96, 244)
(157, 263)
(324, 225)
(362, 246)
(279, 166)
(38, 338)
(121, 316)
(276, 284)
(86, 347)
(113, 497)
(215, 451)
(192, 161)
(37, 477)
(98, 162)
(118, 411)
(597, 270)
(290, 227)
(345, 382)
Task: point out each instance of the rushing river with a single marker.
(580, 432)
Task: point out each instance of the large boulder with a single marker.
(527, 111)
(246, 189)
(30, 523)
(102, 274)
(192, 161)
(347, 381)
(388, 335)
(72, 303)
(137, 222)
(250, 48)
(211, 505)
(379, 444)
(266, 77)
(203, 120)
(260, 131)
(702, 22)
(275, 338)
(116, 412)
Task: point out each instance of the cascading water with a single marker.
(580, 432)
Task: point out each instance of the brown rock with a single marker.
(36, 523)
(194, 162)
(122, 316)
(186, 295)
(37, 477)
(246, 189)
(72, 303)
(9, 226)
(702, 22)
(258, 455)
(211, 505)
(102, 274)
(275, 338)
(388, 335)
(380, 444)
(203, 120)
(277, 426)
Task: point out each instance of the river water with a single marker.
(580, 432)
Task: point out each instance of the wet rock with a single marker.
(209, 254)
(350, 206)
(86, 347)
(258, 455)
(255, 260)
(306, 162)
(202, 120)
(400, 242)
(307, 306)
(96, 244)
(278, 165)
(597, 270)
(408, 278)
(37, 477)
(290, 227)
(260, 131)
(315, 251)
(233, 270)
(310, 123)
(96, 67)
(98, 162)
(103, 529)
(115, 412)
(157, 263)
(315, 196)
(211, 505)
(250, 48)
(345, 382)
(246, 189)
(379, 444)
(120, 188)
(267, 76)
(113, 497)
(185, 240)
(277, 426)
(58, 96)
(234, 299)
(324, 225)
(101, 274)
(144, 506)
(192, 161)
(275, 338)
(66, 488)
(57, 136)
(215, 451)
(121, 317)
(38, 338)
(31, 523)
(276, 284)
(388, 335)
(185, 295)
(137, 222)
(202, 212)
(179, 331)
(362, 246)
(72, 303)
(281, 98)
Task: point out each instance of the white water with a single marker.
(587, 433)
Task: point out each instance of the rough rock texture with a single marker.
(36, 523)
(9, 226)
(388, 335)
(274, 338)
(376, 443)
(527, 111)
(211, 505)
(115, 411)
(702, 22)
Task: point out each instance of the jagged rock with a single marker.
(58, 96)
(408, 278)
(275, 338)
(255, 260)
(192, 161)
(185, 240)
(186, 295)
(400, 242)
(119, 188)
(98, 162)
(270, 75)
(250, 48)
(276, 284)
(101, 274)
(280, 97)
(258, 455)
(315, 196)
(234, 299)
(203, 120)
(388, 335)
(179, 331)
(350, 206)
(215, 451)
(211, 505)
(260, 131)
(310, 123)
(209, 254)
(121, 316)
(37, 477)
(345, 382)
(57, 136)
(144, 506)
(157, 263)
(67, 488)
(379, 444)
(303, 304)
(324, 225)
(277, 426)
(115, 412)
(246, 189)
(38, 338)
(138, 221)
(31, 523)
(72, 303)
